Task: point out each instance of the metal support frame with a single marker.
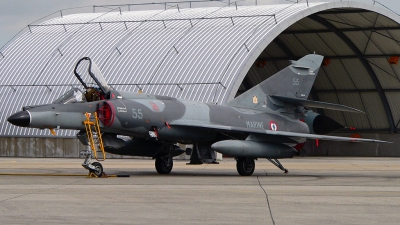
(355, 90)
(116, 84)
(176, 50)
(366, 65)
(154, 20)
(155, 3)
(247, 48)
(343, 11)
(59, 51)
(116, 48)
(14, 89)
(384, 6)
(354, 29)
(330, 57)
(180, 87)
(221, 85)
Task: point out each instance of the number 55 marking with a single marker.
(137, 114)
(296, 82)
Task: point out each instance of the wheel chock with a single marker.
(92, 175)
(104, 175)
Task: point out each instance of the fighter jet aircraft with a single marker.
(267, 121)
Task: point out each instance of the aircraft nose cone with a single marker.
(22, 119)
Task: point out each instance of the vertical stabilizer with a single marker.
(295, 82)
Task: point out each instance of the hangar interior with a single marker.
(212, 54)
(360, 69)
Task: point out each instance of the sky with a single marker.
(15, 15)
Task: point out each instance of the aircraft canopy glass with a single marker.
(72, 96)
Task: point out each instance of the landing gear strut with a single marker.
(278, 164)
(95, 167)
(164, 165)
(245, 166)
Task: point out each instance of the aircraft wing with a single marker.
(275, 133)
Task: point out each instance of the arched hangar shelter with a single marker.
(212, 54)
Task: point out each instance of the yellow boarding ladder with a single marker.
(93, 135)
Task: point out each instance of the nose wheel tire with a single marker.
(245, 166)
(98, 169)
(164, 165)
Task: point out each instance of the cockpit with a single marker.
(95, 87)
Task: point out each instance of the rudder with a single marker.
(294, 81)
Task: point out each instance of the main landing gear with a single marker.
(245, 166)
(164, 165)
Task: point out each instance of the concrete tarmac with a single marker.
(315, 191)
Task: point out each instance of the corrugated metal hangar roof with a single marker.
(212, 54)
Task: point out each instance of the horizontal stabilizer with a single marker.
(315, 104)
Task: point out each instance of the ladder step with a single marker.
(93, 133)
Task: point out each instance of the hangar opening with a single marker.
(360, 68)
(212, 54)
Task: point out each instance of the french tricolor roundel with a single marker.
(273, 125)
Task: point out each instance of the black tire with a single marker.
(99, 169)
(245, 166)
(164, 165)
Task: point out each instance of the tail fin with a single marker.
(294, 82)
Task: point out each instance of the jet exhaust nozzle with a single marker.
(21, 119)
(320, 124)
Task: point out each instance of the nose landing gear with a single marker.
(95, 144)
(94, 168)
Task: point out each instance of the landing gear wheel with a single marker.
(245, 166)
(164, 165)
(99, 169)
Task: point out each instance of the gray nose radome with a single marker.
(22, 119)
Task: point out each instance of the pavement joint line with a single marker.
(266, 196)
(55, 175)
(42, 174)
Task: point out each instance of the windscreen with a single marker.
(72, 96)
